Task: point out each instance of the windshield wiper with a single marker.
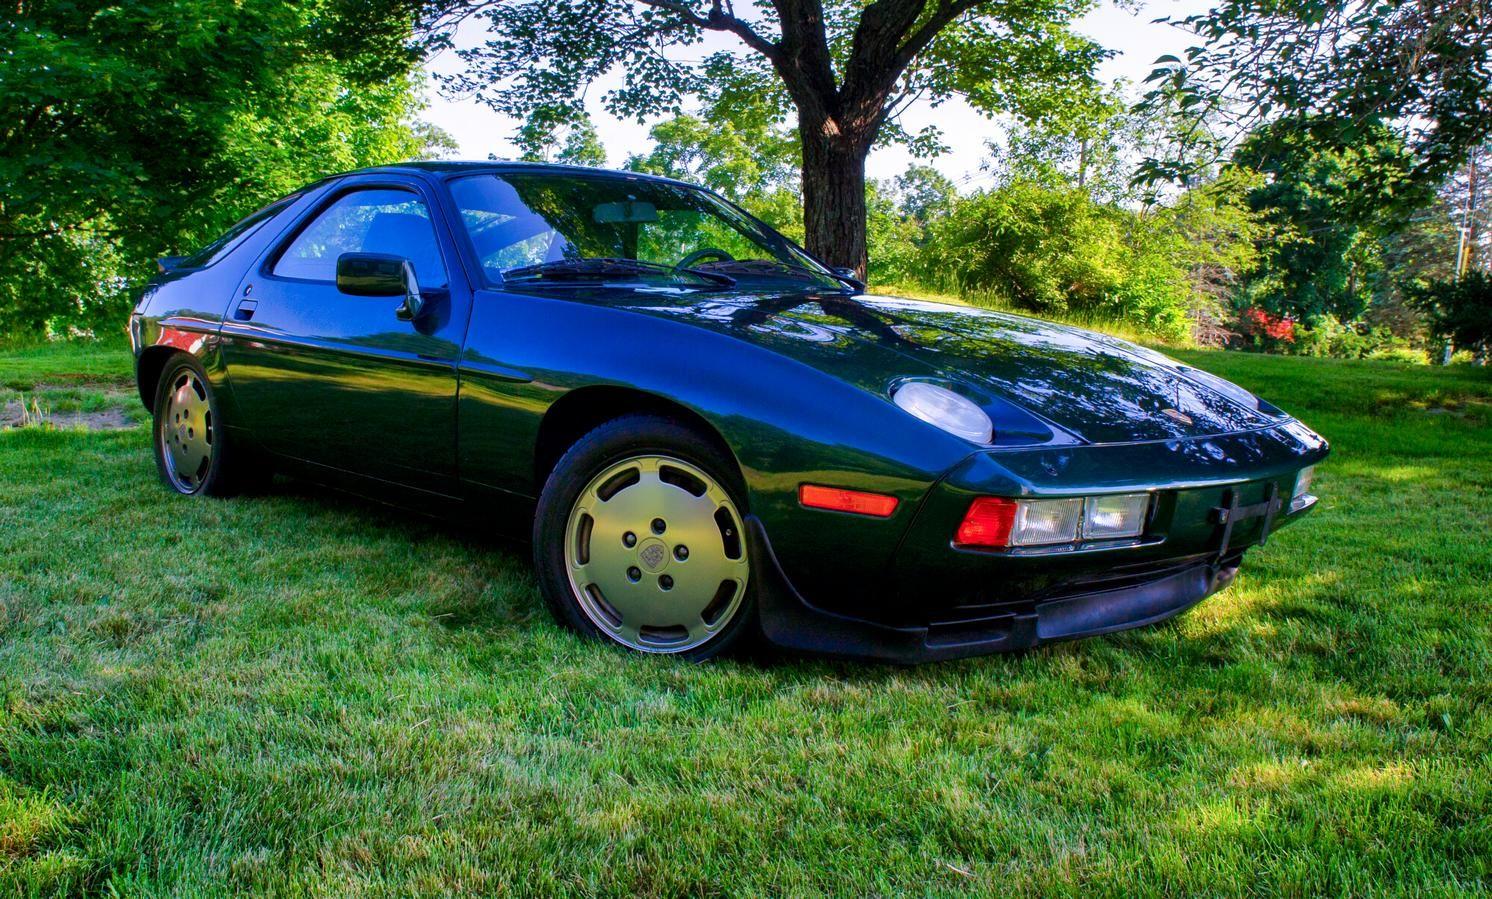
(601, 267)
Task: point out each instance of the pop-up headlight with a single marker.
(945, 409)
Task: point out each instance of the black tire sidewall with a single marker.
(607, 444)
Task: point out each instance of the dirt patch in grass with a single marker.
(49, 404)
(70, 379)
(108, 420)
(1453, 404)
(20, 414)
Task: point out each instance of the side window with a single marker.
(366, 221)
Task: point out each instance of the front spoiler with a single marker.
(790, 621)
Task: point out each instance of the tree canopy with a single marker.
(1344, 69)
(1327, 208)
(846, 69)
(1460, 311)
(137, 129)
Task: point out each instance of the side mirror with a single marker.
(848, 276)
(381, 275)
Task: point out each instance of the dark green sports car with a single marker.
(706, 431)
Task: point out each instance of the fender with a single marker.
(786, 422)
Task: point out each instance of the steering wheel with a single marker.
(701, 255)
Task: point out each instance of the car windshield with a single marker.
(544, 229)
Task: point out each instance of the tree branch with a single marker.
(881, 28)
(806, 65)
(717, 19)
(941, 18)
(886, 42)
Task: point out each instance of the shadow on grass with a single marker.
(499, 555)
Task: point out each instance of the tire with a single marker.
(194, 454)
(638, 539)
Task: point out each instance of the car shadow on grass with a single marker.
(492, 559)
(1275, 619)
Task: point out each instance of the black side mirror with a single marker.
(381, 275)
(848, 276)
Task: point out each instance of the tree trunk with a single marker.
(834, 196)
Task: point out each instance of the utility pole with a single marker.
(1462, 232)
(1460, 264)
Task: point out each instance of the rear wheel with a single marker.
(193, 452)
(639, 540)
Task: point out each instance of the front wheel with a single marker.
(639, 539)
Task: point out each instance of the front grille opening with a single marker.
(730, 535)
(994, 602)
(681, 479)
(720, 603)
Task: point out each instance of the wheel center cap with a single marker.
(653, 553)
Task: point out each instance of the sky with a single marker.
(1131, 31)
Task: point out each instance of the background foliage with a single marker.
(1285, 214)
(140, 129)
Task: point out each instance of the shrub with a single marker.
(1054, 251)
(1326, 336)
(1265, 327)
(1404, 354)
(1459, 311)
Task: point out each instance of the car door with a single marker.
(339, 380)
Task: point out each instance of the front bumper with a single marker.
(930, 599)
(790, 621)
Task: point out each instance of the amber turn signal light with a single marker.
(838, 499)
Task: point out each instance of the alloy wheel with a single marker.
(655, 554)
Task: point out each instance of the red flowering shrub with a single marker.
(1258, 323)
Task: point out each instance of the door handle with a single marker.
(245, 310)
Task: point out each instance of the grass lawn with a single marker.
(302, 694)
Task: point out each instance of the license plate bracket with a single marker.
(1230, 513)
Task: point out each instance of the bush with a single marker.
(1053, 251)
(1152, 296)
(1459, 311)
(1407, 355)
(1326, 336)
(1265, 330)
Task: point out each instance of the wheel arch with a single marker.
(583, 409)
(148, 370)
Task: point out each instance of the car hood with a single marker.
(1097, 388)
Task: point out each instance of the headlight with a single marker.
(1301, 497)
(999, 523)
(945, 409)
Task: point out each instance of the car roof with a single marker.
(449, 167)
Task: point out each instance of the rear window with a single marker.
(236, 235)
